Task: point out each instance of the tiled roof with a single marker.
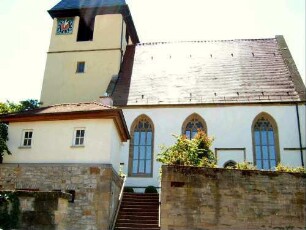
(199, 72)
(72, 111)
(80, 4)
(68, 108)
(62, 109)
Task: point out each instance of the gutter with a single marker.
(299, 132)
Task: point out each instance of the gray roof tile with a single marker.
(80, 4)
(225, 71)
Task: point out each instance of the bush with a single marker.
(283, 168)
(245, 166)
(151, 189)
(194, 152)
(128, 189)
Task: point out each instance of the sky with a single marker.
(26, 29)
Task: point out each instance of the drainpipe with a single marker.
(299, 130)
(121, 40)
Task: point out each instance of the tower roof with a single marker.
(85, 8)
(81, 4)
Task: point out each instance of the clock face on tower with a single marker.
(64, 26)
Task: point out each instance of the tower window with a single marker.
(80, 67)
(86, 29)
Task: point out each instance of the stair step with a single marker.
(138, 216)
(139, 228)
(139, 220)
(138, 212)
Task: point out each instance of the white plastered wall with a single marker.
(53, 142)
(231, 126)
(116, 145)
(102, 57)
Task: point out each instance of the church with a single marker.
(108, 99)
(246, 93)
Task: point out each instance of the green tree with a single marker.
(11, 107)
(194, 152)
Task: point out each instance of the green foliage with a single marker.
(3, 139)
(11, 107)
(9, 211)
(151, 189)
(128, 189)
(283, 168)
(245, 166)
(121, 173)
(194, 152)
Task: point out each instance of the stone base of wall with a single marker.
(205, 199)
(96, 188)
(35, 210)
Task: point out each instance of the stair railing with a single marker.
(114, 219)
(159, 208)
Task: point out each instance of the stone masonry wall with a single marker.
(37, 210)
(223, 199)
(96, 189)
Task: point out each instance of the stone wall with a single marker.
(96, 188)
(204, 199)
(35, 210)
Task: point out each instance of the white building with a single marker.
(246, 93)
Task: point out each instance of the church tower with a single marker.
(87, 45)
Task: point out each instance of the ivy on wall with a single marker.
(9, 211)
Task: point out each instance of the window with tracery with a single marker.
(192, 124)
(141, 147)
(264, 138)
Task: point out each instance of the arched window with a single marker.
(141, 147)
(192, 124)
(230, 164)
(265, 142)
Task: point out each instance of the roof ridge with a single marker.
(202, 41)
(79, 103)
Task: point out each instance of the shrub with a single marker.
(245, 166)
(194, 152)
(151, 189)
(283, 168)
(128, 189)
(9, 211)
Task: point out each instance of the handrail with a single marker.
(113, 222)
(159, 208)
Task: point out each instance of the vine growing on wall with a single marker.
(9, 211)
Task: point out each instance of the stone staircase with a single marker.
(138, 211)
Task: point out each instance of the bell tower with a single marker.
(87, 45)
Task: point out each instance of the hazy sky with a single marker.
(26, 28)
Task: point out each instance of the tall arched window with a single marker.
(192, 124)
(141, 147)
(265, 142)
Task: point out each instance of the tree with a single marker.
(11, 107)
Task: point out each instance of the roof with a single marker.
(72, 111)
(208, 72)
(91, 8)
(80, 4)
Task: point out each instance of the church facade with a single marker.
(109, 99)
